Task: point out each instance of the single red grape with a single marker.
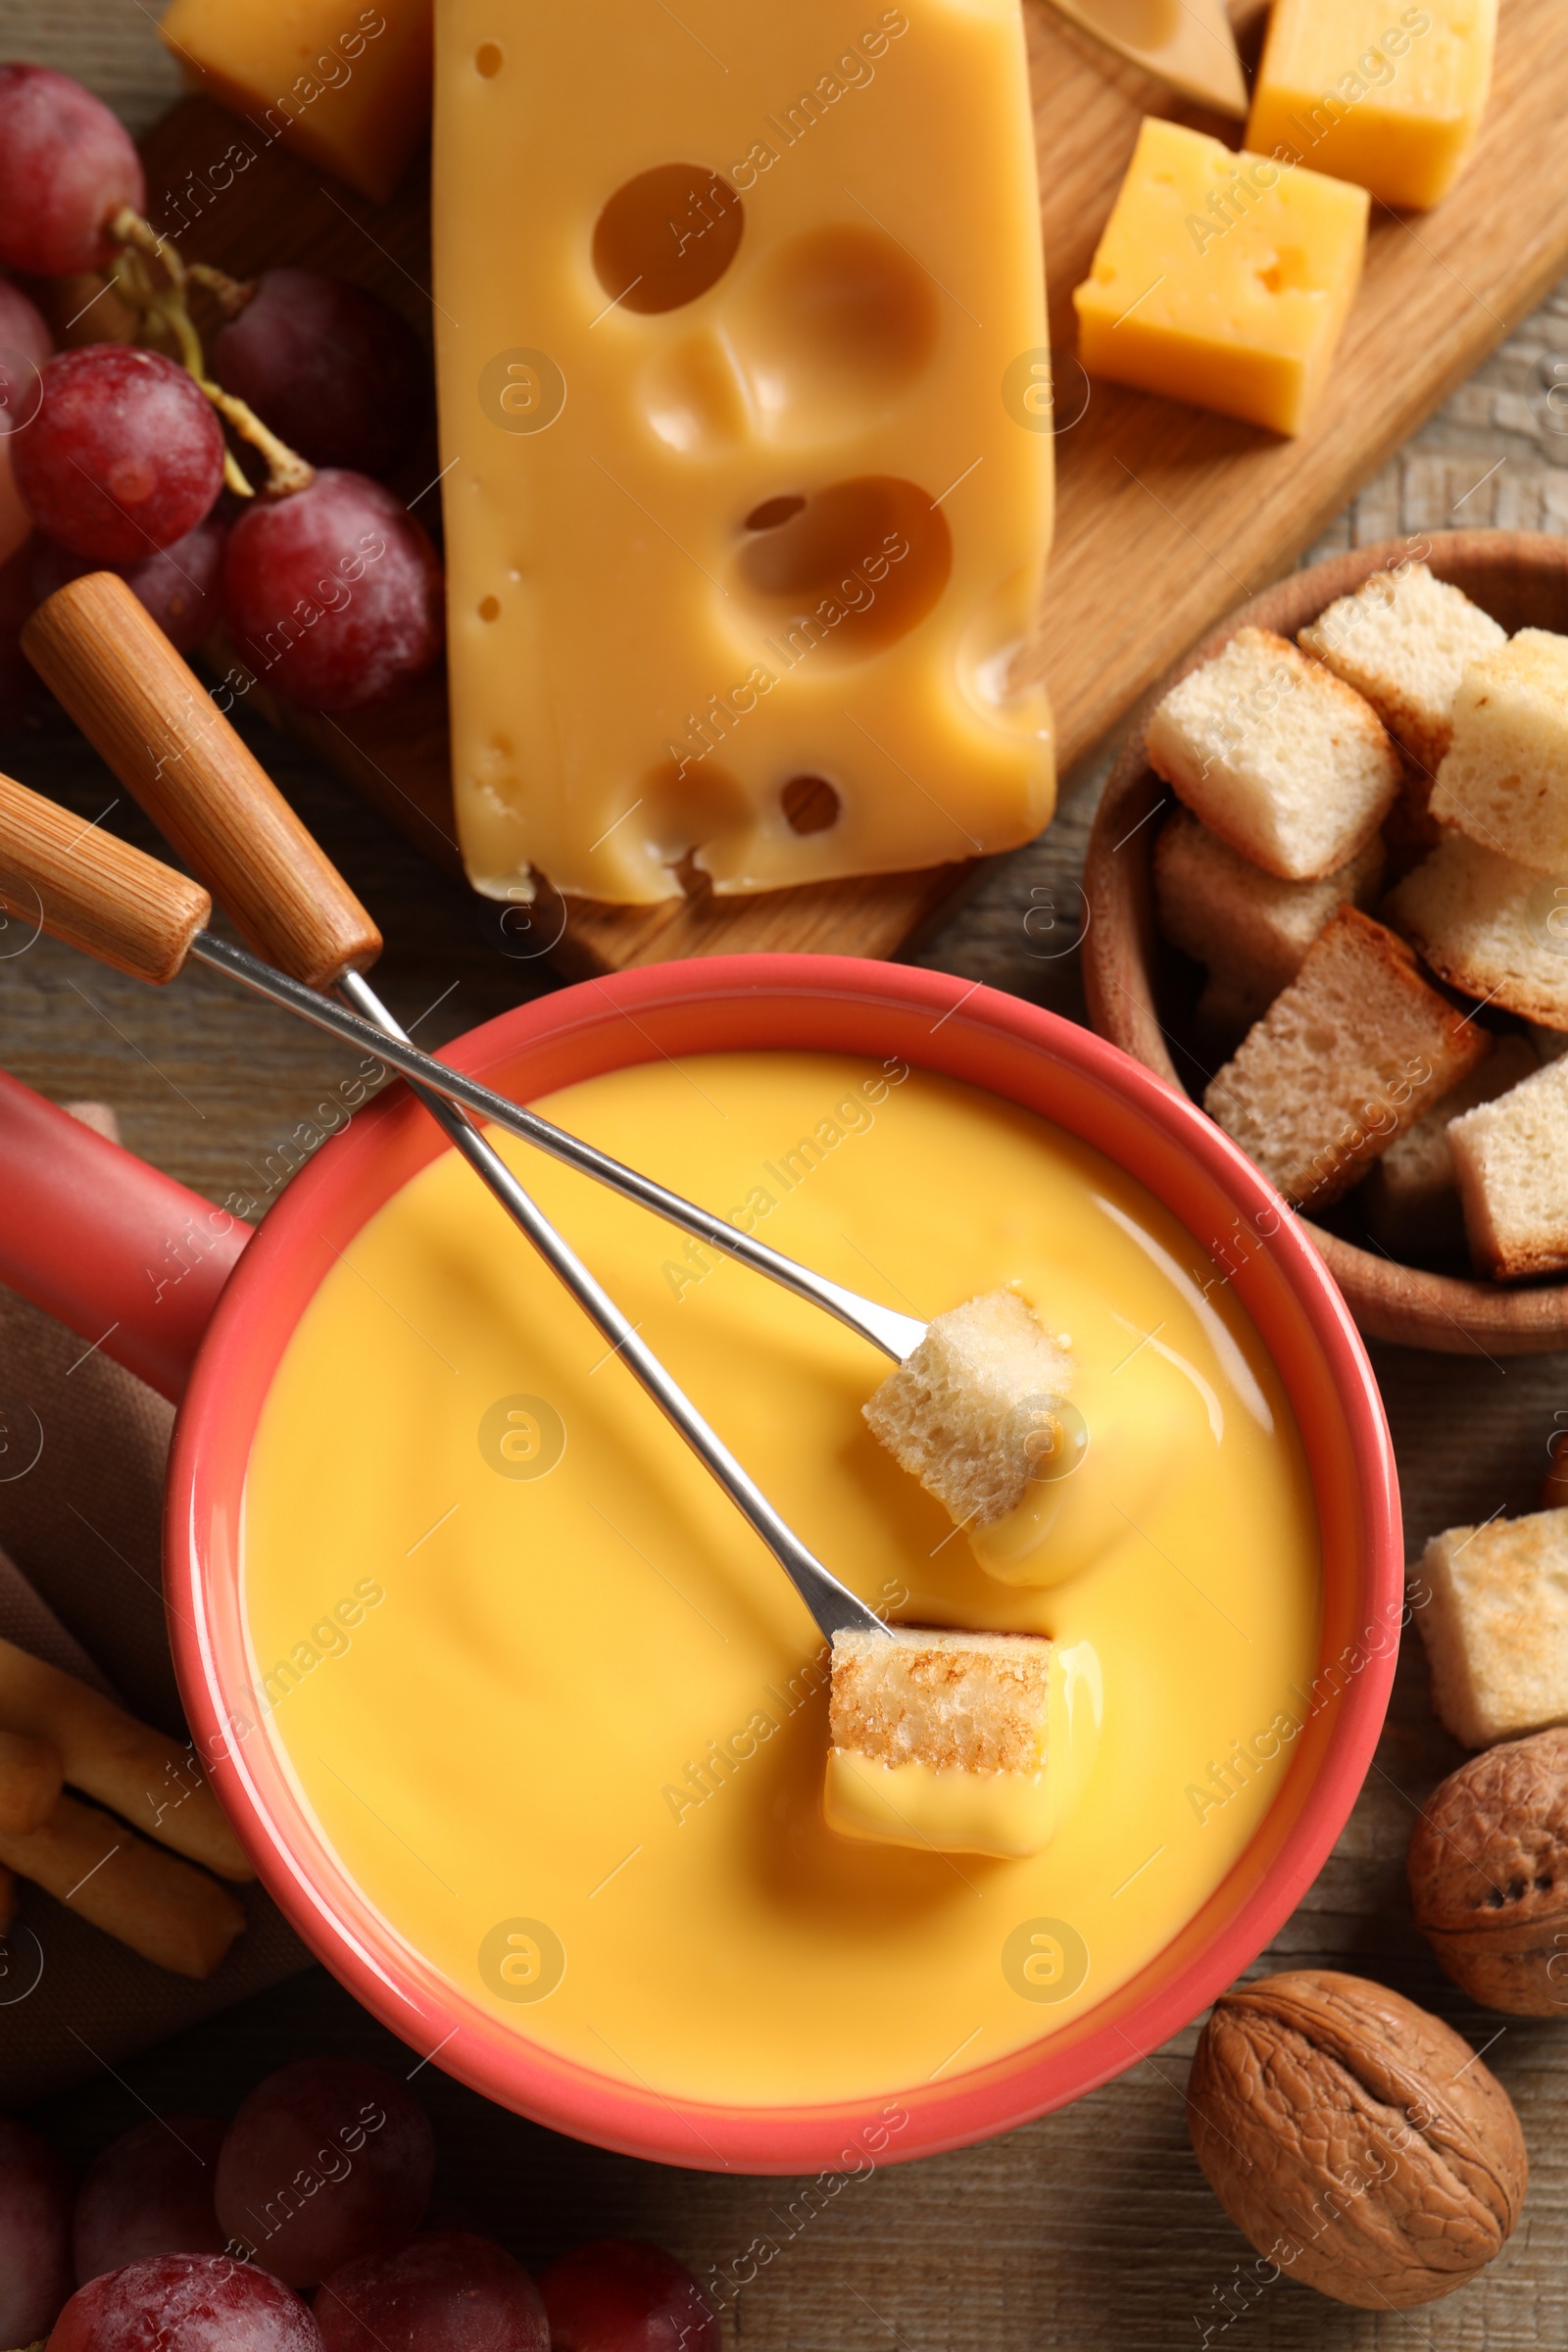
(179, 586)
(36, 2196)
(329, 2160)
(67, 166)
(335, 371)
(446, 2292)
(124, 456)
(25, 345)
(186, 2303)
(151, 2192)
(619, 2295)
(334, 594)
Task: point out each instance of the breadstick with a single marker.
(174, 1916)
(106, 1754)
(30, 1779)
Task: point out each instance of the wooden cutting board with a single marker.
(1166, 517)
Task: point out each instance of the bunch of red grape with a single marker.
(192, 2235)
(117, 458)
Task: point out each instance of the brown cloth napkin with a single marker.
(81, 1478)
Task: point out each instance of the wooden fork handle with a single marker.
(145, 710)
(63, 874)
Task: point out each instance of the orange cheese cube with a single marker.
(1391, 99)
(1222, 279)
(346, 85)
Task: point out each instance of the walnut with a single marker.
(1359, 2143)
(1489, 1876)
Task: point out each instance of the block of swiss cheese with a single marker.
(746, 405)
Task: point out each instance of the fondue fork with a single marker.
(97, 892)
(148, 715)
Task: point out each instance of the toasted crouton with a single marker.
(1488, 926)
(1351, 1055)
(1495, 1627)
(1505, 778)
(965, 1414)
(971, 1702)
(1411, 1196)
(1404, 640)
(1511, 1161)
(948, 1742)
(1251, 929)
(1277, 756)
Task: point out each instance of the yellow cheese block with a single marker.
(345, 84)
(744, 399)
(1390, 98)
(1222, 279)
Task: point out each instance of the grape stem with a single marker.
(234, 294)
(151, 275)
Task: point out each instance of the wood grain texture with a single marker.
(92, 891)
(145, 712)
(1165, 516)
(1519, 578)
(1093, 2230)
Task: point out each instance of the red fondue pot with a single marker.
(202, 1310)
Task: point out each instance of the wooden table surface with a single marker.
(1093, 2228)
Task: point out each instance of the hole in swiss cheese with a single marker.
(811, 805)
(667, 236)
(857, 567)
(773, 511)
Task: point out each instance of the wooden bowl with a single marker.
(1521, 577)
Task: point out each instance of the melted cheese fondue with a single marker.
(562, 1718)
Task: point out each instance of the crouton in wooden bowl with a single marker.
(1328, 898)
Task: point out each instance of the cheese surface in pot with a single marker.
(535, 1678)
(745, 401)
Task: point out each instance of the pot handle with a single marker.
(109, 1246)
